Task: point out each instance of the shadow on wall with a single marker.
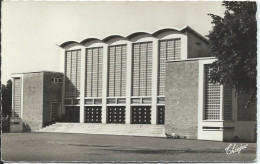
(71, 112)
(26, 127)
(71, 90)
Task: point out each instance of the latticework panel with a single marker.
(160, 114)
(212, 97)
(142, 69)
(94, 66)
(93, 114)
(168, 50)
(141, 114)
(117, 71)
(116, 114)
(72, 72)
(17, 97)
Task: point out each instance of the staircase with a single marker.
(109, 129)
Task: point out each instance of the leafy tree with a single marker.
(6, 92)
(233, 41)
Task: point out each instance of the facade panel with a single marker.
(17, 97)
(212, 97)
(72, 73)
(93, 79)
(117, 71)
(142, 69)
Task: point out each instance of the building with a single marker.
(158, 78)
(37, 97)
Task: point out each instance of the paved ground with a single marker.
(85, 147)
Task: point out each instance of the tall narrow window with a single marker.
(72, 72)
(142, 69)
(212, 97)
(168, 50)
(17, 97)
(117, 71)
(94, 61)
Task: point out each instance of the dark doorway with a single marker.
(72, 114)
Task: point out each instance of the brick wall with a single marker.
(52, 92)
(181, 109)
(32, 100)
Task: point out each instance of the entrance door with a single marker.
(55, 108)
(72, 113)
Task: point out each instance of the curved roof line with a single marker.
(155, 34)
(106, 39)
(89, 39)
(137, 33)
(165, 29)
(63, 45)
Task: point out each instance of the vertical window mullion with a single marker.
(120, 89)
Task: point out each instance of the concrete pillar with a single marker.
(154, 82)
(104, 84)
(12, 97)
(62, 69)
(21, 113)
(221, 102)
(128, 83)
(82, 86)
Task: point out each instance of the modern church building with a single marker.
(159, 79)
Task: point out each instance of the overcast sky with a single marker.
(31, 30)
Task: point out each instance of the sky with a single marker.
(31, 31)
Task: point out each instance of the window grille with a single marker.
(72, 72)
(142, 69)
(212, 97)
(227, 91)
(160, 114)
(94, 66)
(141, 115)
(117, 71)
(116, 114)
(93, 114)
(17, 97)
(168, 50)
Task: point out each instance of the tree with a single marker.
(6, 92)
(233, 41)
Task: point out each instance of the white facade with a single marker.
(122, 79)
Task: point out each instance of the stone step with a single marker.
(112, 129)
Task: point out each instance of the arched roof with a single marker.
(89, 40)
(137, 33)
(65, 44)
(112, 37)
(156, 33)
